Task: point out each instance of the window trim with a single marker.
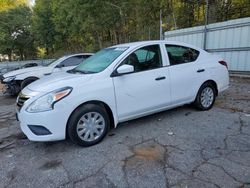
(176, 45)
(115, 74)
(62, 63)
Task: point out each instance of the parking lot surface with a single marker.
(182, 147)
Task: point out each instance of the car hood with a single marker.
(58, 80)
(26, 70)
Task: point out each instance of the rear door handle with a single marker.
(160, 78)
(200, 70)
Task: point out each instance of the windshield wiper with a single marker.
(79, 71)
(75, 71)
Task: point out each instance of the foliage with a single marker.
(41, 52)
(15, 33)
(60, 26)
(9, 4)
(43, 26)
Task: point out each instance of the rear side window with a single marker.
(85, 57)
(180, 54)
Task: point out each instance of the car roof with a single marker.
(141, 43)
(70, 55)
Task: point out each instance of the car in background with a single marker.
(6, 69)
(12, 68)
(15, 81)
(117, 84)
(27, 65)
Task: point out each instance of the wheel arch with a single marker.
(213, 83)
(25, 76)
(31, 77)
(96, 102)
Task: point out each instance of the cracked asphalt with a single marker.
(178, 148)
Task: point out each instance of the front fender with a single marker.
(99, 91)
(21, 77)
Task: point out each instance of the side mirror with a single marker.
(124, 69)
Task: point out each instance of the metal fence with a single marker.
(230, 39)
(14, 65)
(21, 63)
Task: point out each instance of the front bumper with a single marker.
(12, 88)
(45, 126)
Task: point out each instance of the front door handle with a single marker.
(160, 78)
(200, 70)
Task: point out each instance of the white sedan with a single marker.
(15, 81)
(117, 84)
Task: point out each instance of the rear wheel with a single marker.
(205, 97)
(88, 125)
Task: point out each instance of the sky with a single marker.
(32, 2)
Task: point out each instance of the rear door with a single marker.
(183, 73)
(147, 88)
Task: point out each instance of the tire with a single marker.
(82, 129)
(206, 97)
(28, 81)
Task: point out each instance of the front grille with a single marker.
(21, 100)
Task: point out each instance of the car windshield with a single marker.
(100, 61)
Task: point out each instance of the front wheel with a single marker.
(205, 97)
(88, 125)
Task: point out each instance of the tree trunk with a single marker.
(47, 51)
(99, 40)
(9, 53)
(21, 54)
(213, 6)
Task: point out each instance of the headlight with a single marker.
(9, 79)
(47, 101)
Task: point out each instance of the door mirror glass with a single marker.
(124, 69)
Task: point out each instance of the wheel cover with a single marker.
(90, 126)
(207, 97)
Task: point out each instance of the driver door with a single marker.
(147, 88)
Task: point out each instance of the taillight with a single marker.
(223, 63)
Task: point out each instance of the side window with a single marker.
(85, 57)
(145, 58)
(180, 54)
(72, 61)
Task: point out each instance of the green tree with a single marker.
(88, 25)
(9, 4)
(15, 33)
(43, 26)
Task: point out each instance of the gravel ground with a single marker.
(177, 148)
